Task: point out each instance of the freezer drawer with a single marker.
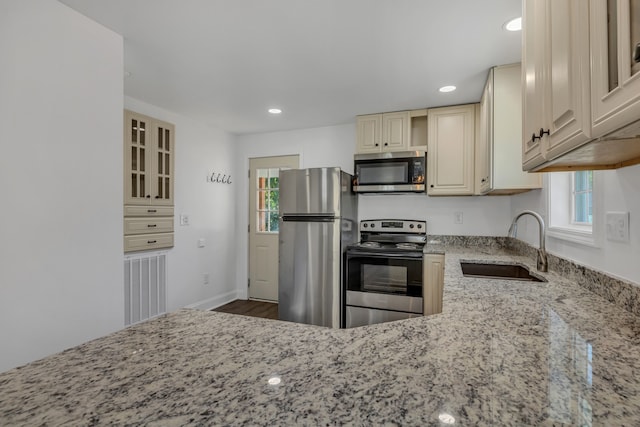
(360, 316)
(309, 272)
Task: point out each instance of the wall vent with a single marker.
(145, 286)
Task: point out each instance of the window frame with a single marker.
(560, 210)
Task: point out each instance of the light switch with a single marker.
(201, 243)
(617, 224)
(184, 219)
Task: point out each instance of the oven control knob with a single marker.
(410, 225)
(373, 225)
(365, 225)
(419, 225)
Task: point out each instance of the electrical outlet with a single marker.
(205, 278)
(201, 243)
(457, 217)
(184, 219)
(617, 226)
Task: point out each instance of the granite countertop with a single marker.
(501, 353)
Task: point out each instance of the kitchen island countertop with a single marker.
(501, 353)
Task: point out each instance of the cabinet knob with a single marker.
(157, 197)
(431, 186)
(148, 196)
(377, 144)
(385, 144)
(483, 180)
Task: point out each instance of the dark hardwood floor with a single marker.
(267, 310)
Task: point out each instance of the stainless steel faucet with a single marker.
(542, 254)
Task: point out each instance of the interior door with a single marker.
(264, 196)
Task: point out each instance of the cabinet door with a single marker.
(615, 80)
(484, 138)
(369, 133)
(506, 175)
(450, 154)
(395, 130)
(567, 91)
(162, 185)
(433, 266)
(533, 59)
(137, 159)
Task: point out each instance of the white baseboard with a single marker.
(217, 301)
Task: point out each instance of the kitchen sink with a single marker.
(499, 271)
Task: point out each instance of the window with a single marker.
(268, 194)
(570, 206)
(582, 200)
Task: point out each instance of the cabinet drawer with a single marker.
(130, 210)
(148, 225)
(141, 242)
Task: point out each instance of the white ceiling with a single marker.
(225, 62)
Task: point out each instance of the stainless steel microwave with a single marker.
(394, 172)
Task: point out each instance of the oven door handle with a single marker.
(381, 255)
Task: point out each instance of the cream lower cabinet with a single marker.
(383, 132)
(148, 182)
(451, 148)
(432, 288)
(500, 136)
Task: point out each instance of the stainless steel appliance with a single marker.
(384, 272)
(394, 172)
(318, 214)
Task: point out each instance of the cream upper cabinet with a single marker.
(369, 133)
(581, 84)
(500, 135)
(556, 79)
(148, 161)
(383, 132)
(483, 175)
(533, 62)
(615, 83)
(450, 153)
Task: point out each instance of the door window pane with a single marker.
(268, 199)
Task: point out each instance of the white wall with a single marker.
(61, 266)
(318, 147)
(481, 215)
(619, 191)
(200, 150)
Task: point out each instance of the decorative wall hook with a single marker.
(219, 178)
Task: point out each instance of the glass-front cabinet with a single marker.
(615, 59)
(148, 182)
(149, 155)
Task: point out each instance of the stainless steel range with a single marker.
(384, 272)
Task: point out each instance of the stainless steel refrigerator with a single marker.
(318, 217)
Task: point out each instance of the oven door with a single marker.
(389, 274)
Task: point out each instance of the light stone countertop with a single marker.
(501, 353)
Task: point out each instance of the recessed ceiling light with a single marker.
(275, 110)
(447, 89)
(514, 25)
